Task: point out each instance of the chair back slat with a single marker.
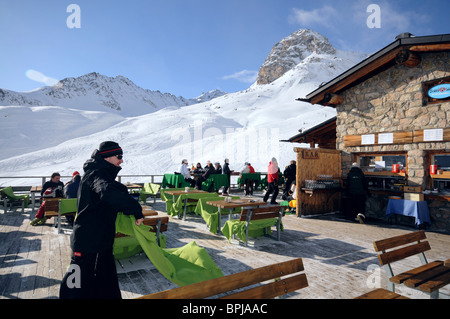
(272, 289)
(396, 241)
(401, 253)
(261, 213)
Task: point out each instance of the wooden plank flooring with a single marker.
(338, 256)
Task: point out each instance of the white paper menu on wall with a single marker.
(385, 138)
(368, 139)
(433, 135)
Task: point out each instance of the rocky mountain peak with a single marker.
(290, 51)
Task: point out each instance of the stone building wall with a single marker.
(392, 101)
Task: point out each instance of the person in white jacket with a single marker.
(184, 170)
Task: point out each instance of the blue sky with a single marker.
(186, 47)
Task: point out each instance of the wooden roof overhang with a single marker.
(323, 134)
(402, 51)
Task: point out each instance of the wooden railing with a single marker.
(29, 181)
(26, 182)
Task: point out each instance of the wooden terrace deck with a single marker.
(338, 256)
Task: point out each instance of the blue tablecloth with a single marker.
(405, 207)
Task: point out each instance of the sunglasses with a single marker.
(119, 156)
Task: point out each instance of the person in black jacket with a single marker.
(52, 188)
(290, 173)
(209, 170)
(71, 191)
(54, 182)
(92, 273)
(217, 168)
(71, 188)
(226, 170)
(357, 191)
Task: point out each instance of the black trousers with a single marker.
(249, 187)
(199, 182)
(287, 187)
(225, 188)
(356, 205)
(273, 188)
(190, 181)
(91, 276)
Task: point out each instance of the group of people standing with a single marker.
(200, 174)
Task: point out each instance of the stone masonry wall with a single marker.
(392, 101)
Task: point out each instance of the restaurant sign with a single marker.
(310, 154)
(441, 91)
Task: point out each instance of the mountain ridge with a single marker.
(97, 92)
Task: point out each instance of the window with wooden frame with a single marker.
(382, 163)
(441, 179)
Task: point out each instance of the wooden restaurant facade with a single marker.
(393, 118)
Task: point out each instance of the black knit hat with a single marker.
(109, 148)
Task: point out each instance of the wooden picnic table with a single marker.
(447, 263)
(232, 204)
(132, 186)
(179, 192)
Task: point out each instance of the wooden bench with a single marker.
(146, 211)
(381, 293)
(158, 224)
(225, 286)
(266, 212)
(428, 278)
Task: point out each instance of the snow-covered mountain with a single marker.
(241, 126)
(97, 92)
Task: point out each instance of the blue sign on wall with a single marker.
(441, 91)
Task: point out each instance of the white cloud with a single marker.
(41, 78)
(400, 21)
(245, 76)
(320, 16)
